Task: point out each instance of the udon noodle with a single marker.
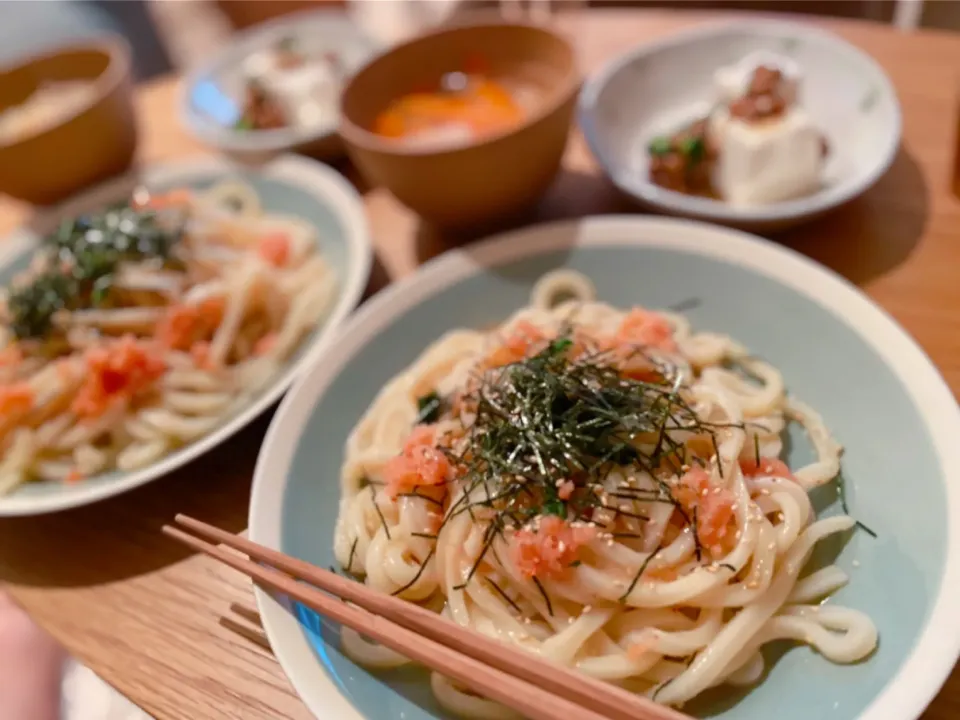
(142, 328)
(602, 488)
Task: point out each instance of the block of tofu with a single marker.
(732, 81)
(308, 93)
(766, 162)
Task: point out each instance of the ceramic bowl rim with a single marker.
(325, 186)
(676, 202)
(228, 139)
(932, 657)
(119, 63)
(558, 96)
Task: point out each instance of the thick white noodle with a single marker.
(669, 638)
(562, 286)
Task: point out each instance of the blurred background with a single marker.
(170, 35)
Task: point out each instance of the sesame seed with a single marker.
(856, 563)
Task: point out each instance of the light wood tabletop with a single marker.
(145, 615)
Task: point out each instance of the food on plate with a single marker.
(143, 327)
(49, 104)
(462, 107)
(604, 488)
(684, 161)
(756, 146)
(286, 86)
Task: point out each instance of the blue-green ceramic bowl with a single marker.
(877, 391)
(288, 185)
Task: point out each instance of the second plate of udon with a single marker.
(675, 457)
(149, 320)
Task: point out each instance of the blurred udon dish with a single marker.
(48, 105)
(464, 106)
(142, 327)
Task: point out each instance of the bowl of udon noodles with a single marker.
(145, 323)
(668, 455)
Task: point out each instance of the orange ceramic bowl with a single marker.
(478, 182)
(88, 141)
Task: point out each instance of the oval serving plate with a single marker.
(290, 185)
(879, 394)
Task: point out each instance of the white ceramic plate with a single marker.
(659, 86)
(291, 185)
(879, 394)
(212, 94)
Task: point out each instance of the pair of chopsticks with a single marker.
(515, 678)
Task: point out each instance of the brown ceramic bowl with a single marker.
(87, 143)
(484, 181)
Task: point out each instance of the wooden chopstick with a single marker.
(488, 681)
(611, 702)
(252, 630)
(247, 613)
(248, 633)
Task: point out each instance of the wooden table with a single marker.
(145, 615)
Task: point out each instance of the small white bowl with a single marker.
(659, 86)
(212, 94)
